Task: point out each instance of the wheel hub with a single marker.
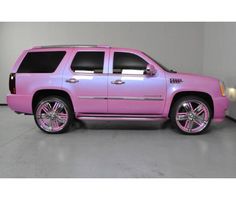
(191, 116)
(52, 115)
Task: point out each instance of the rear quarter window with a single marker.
(41, 62)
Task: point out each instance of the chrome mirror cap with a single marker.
(150, 70)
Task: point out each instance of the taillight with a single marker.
(12, 83)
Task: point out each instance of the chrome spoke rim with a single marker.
(198, 110)
(52, 115)
(188, 106)
(182, 116)
(192, 116)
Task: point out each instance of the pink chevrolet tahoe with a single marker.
(58, 84)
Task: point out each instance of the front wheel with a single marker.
(53, 115)
(191, 115)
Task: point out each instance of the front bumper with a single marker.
(20, 103)
(221, 104)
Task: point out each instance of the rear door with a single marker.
(86, 80)
(130, 90)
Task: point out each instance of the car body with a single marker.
(101, 82)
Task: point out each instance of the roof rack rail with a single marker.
(68, 45)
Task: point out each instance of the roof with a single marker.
(73, 45)
(68, 46)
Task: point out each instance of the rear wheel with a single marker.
(191, 115)
(53, 115)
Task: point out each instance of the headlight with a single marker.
(222, 88)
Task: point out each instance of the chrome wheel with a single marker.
(192, 116)
(52, 115)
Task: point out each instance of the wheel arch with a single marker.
(42, 93)
(207, 97)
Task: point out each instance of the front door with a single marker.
(130, 90)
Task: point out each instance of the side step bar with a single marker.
(121, 118)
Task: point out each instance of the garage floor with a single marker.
(114, 149)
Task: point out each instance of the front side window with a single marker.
(128, 63)
(88, 62)
(41, 62)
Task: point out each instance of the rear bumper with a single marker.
(221, 104)
(20, 103)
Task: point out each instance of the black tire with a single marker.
(68, 111)
(180, 102)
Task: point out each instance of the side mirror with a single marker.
(150, 70)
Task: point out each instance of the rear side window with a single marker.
(128, 63)
(88, 62)
(41, 62)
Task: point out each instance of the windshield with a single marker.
(161, 65)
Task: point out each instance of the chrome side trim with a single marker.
(137, 98)
(123, 98)
(92, 97)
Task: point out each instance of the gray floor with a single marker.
(114, 149)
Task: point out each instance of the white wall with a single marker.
(178, 45)
(219, 58)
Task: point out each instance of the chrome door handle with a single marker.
(118, 82)
(72, 80)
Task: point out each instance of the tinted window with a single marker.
(41, 62)
(88, 62)
(127, 63)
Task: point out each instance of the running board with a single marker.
(121, 118)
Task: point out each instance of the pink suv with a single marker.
(58, 84)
